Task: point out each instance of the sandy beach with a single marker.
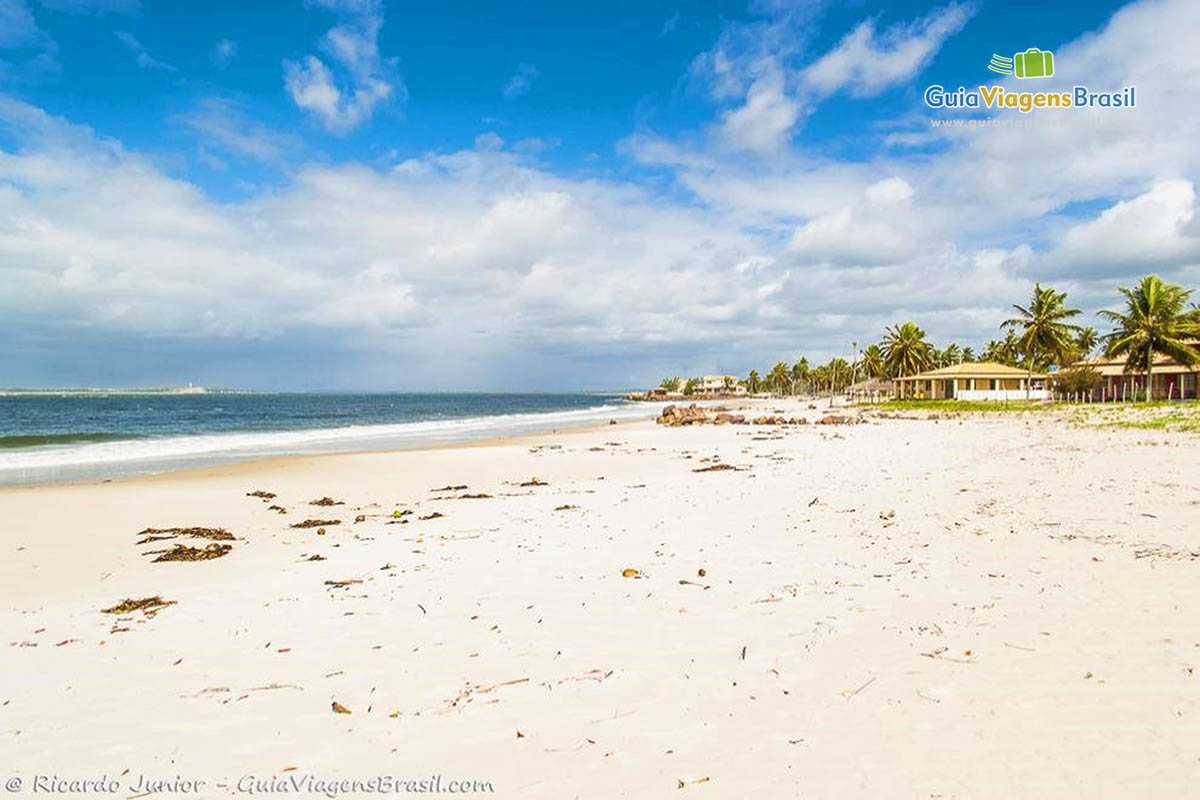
(987, 606)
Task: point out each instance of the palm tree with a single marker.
(779, 378)
(800, 373)
(968, 355)
(1086, 341)
(872, 361)
(951, 355)
(753, 382)
(1043, 332)
(1157, 320)
(905, 351)
(671, 384)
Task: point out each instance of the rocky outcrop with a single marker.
(677, 416)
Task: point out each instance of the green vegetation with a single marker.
(964, 406)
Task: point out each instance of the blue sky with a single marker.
(556, 195)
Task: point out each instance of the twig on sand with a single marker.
(851, 694)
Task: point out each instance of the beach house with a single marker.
(978, 380)
(720, 384)
(1172, 380)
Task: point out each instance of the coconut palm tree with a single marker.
(1086, 341)
(905, 351)
(1044, 334)
(800, 374)
(872, 361)
(968, 355)
(671, 384)
(753, 382)
(779, 378)
(1156, 321)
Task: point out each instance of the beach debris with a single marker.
(479, 496)
(434, 515)
(316, 523)
(720, 467)
(277, 509)
(147, 605)
(684, 784)
(181, 552)
(360, 518)
(702, 572)
(338, 708)
(397, 514)
(262, 495)
(326, 501)
(456, 488)
(630, 572)
(850, 694)
(343, 584)
(315, 557)
(533, 482)
(565, 507)
(160, 534)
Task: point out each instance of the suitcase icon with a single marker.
(1034, 63)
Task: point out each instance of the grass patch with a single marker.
(1177, 422)
(962, 406)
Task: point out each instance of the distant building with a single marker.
(720, 384)
(981, 380)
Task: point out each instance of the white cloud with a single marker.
(223, 125)
(764, 122)
(144, 59)
(866, 62)
(521, 81)
(353, 46)
(1145, 232)
(223, 53)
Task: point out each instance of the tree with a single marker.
(1156, 321)
(951, 355)
(872, 361)
(671, 384)
(968, 355)
(779, 378)
(1043, 330)
(690, 387)
(727, 383)
(753, 382)
(905, 351)
(801, 374)
(1086, 341)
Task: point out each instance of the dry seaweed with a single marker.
(259, 493)
(434, 515)
(534, 482)
(457, 488)
(159, 534)
(716, 468)
(147, 605)
(316, 523)
(326, 501)
(181, 552)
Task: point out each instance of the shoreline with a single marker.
(248, 463)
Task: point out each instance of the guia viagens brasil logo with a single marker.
(1032, 63)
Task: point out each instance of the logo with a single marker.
(1033, 63)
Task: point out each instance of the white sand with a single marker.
(1004, 634)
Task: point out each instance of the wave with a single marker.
(123, 455)
(55, 439)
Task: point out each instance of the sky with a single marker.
(371, 195)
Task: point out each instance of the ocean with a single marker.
(46, 438)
